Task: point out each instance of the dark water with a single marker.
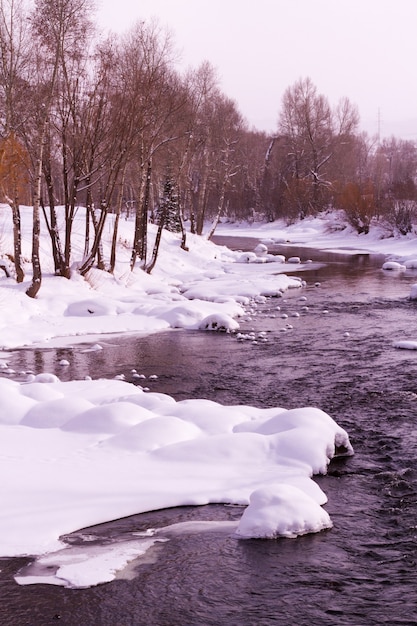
(363, 571)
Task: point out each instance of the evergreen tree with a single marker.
(168, 212)
(167, 216)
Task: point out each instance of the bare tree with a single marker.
(149, 93)
(14, 56)
(227, 132)
(313, 132)
(306, 122)
(61, 28)
(203, 89)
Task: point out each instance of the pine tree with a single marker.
(168, 212)
(167, 216)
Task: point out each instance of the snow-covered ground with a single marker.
(79, 453)
(329, 231)
(207, 287)
(199, 288)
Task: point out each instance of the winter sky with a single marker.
(363, 49)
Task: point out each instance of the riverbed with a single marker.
(330, 344)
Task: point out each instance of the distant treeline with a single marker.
(110, 123)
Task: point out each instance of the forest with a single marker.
(108, 122)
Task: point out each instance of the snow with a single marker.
(83, 452)
(330, 232)
(80, 453)
(282, 511)
(406, 345)
(326, 231)
(393, 266)
(185, 290)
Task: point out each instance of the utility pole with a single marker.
(379, 126)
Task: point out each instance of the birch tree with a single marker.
(14, 61)
(61, 28)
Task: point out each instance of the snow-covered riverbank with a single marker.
(206, 287)
(84, 452)
(328, 231)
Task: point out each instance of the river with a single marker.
(338, 356)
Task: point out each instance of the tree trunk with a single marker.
(70, 202)
(53, 224)
(88, 210)
(88, 263)
(17, 239)
(140, 241)
(155, 251)
(98, 233)
(181, 216)
(69, 218)
(145, 210)
(202, 196)
(218, 214)
(34, 287)
(17, 230)
(116, 223)
(263, 193)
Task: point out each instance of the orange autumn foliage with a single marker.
(14, 171)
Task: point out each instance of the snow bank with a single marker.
(205, 287)
(330, 231)
(84, 452)
(187, 289)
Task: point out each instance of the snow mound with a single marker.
(80, 453)
(222, 323)
(55, 413)
(281, 511)
(111, 418)
(94, 306)
(155, 433)
(261, 249)
(393, 266)
(246, 257)
(261, 255)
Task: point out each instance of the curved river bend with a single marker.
(338, 356)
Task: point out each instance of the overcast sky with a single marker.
(363, 49)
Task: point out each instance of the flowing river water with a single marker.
(340, 357)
